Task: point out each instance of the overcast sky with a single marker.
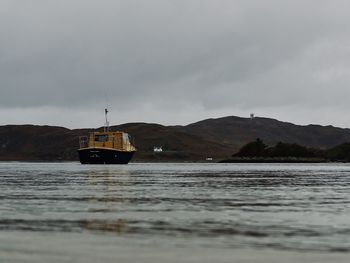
(174, 61)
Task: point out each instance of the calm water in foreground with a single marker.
(66, 212)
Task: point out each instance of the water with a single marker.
(66, 212)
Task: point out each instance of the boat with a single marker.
(106, 147)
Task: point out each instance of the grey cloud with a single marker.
(201, 56)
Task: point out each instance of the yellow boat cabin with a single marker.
(113, 140)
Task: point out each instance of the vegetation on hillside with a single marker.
(339, 153)
(259, 151)
(258, 148)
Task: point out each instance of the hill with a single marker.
(236, 132)
(217, 138)
(37, 143)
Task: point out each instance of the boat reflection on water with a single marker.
(112, 182)
(117, 226)
(109, 176)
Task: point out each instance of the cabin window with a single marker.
(101, 138)
(126, 138)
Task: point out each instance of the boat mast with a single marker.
(106, 128)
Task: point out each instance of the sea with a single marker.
(184, 212)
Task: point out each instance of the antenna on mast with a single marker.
(106, 128)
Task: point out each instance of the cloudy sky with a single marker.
(174, 61)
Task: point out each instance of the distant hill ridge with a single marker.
(216, 138)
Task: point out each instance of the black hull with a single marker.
(104, 156)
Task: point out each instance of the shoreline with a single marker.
(277, 160)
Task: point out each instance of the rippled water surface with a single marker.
(66, 212)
